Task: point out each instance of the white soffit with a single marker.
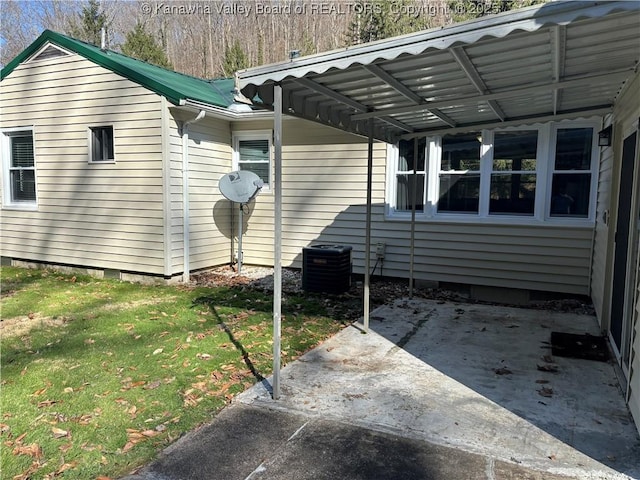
(555, 60)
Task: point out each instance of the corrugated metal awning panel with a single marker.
(559, 59)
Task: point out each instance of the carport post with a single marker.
(277, 236)
(367, 240)
(414, 184)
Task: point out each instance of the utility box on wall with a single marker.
(326, 268)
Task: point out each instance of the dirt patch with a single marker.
(383, 291)
(19, 326)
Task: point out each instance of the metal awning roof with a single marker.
(551, 61)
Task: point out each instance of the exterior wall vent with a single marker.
(326, 268)
(50, 52)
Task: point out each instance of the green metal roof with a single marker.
(172, 85)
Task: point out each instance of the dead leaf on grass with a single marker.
(136, 436)
(64, 467)
(26, 475)
(153, 385)
(60, 433)
(39, 392)
(32, 450)
(66, 447)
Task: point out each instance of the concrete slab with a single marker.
(467, 376)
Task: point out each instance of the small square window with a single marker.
(101, 144)
(252, 152)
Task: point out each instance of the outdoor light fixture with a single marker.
(604, 137)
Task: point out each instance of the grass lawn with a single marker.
(98, 375)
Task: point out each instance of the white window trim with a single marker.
(90, 143)
(254, 135)
(544, 178)
(595, 160)
(7, 201)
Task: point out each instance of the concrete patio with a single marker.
(478, 378)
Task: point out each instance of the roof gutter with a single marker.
(185, 194)
(224, 113)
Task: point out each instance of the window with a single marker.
(513, 173)
(101, 144)
(19, 167)
(521, 174)
(404, 175)
(459, 185)
(571, 183)
(252, 152)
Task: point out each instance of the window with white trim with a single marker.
(540, 173)
(513, 173)
(572, 172)
(19, 167)
(252, 152)
(459, 173)
(404, 175)
(101, 144)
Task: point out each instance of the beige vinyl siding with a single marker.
(324, 201)
(210, 154)
(92, 215)
(601, 255)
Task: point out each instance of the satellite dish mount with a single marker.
(240, 187)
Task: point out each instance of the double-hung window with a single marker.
(545, 172)
(406, 194)
(513, 173)
(252, 152)
(571, 180)
(19, 168)
(459, 175)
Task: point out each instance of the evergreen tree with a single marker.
(142, 45)
(88, 27)
(308, 47)
(234, 59)
(382, 19)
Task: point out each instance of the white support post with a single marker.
(367, 240)
(414, 185)
(277, 240)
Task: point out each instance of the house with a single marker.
(500, 153)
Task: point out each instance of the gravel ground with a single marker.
(349, 304)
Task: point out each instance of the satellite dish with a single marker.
(240, 186)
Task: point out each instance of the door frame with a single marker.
(624, 353)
